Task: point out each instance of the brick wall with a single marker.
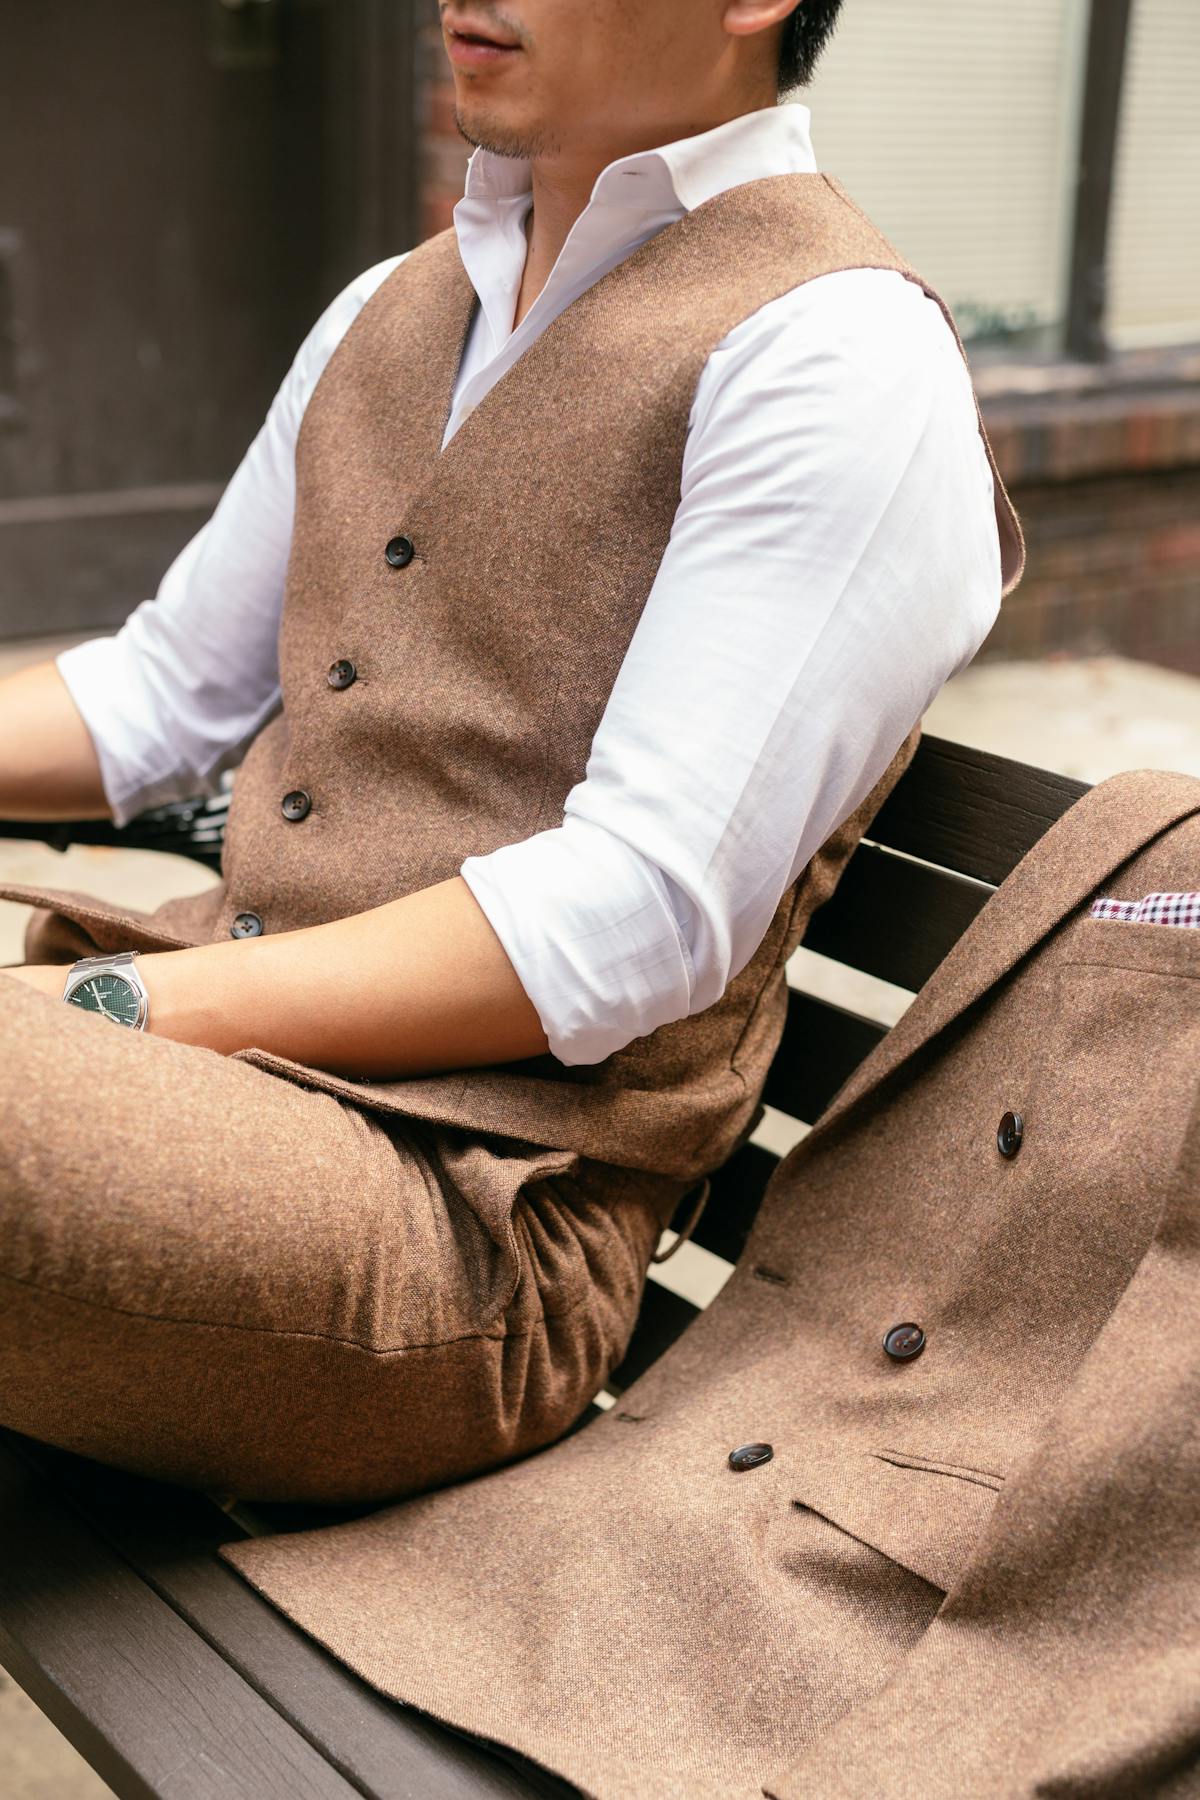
(1103, 466)
(444, 152)
(1102, 463)
(1113, 565)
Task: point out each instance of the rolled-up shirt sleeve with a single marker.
(176, 696)
(833, 560)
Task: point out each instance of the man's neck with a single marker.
(556, 205)
(561, 195)
(532, 282)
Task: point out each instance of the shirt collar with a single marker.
(631, 199)
(773, 140)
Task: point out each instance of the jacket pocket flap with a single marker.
(927, 1516)
(109, 927)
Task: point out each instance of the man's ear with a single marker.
(742, 18)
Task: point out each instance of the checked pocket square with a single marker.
(1155, 909)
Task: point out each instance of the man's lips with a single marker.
(474, 53)
(475, 44)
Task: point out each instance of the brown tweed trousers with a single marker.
(976, 1573)
(349, 1289)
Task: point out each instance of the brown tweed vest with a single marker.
(485, 661)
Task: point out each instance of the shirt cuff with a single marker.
(105, 688)
(587, 924)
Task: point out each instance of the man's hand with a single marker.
(418, 985)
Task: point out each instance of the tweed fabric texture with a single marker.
(1065, 1662)
(976, 1568)
(234, 1283)
(485, 663)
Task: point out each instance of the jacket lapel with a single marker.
(1106, 826)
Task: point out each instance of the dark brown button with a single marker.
(903, 1341)
(748, 1456)
(400, 552)
(296, 805)
(247, 924)
(342, 674)
(1010, 1133)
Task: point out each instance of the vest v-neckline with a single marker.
(653, 248)
(447, 408)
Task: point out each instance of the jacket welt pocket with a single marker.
(926, 1516)
(1131, 944)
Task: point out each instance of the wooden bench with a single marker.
(171, 1675)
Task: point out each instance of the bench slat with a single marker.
(164, 1540)
(821, 1046)
(970, 810)
(663, 1318)
(90, 1644)
(191, 828)
(894, 918)
(734, 1197)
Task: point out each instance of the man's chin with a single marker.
(489, 134)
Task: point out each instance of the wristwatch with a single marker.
(110, 986)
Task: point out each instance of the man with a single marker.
(574, 611)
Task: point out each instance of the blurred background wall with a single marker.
(184, 184)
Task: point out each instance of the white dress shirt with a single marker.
(833, 559)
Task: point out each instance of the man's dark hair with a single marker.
(805, 35)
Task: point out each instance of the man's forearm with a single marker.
(417, 985)
(48, 763)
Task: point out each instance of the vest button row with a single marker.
(342, 674)
(296, 805)
(247, 924)
(1009, 1134)
(399, 552)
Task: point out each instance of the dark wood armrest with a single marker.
(171, 1675)
(192, 828)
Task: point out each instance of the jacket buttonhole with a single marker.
(772, 1275)
(627, 1418)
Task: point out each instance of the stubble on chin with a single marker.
(504, 140)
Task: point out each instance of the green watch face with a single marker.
(111, 996)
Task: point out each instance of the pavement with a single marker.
(1087, 717)
(36, 1761)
